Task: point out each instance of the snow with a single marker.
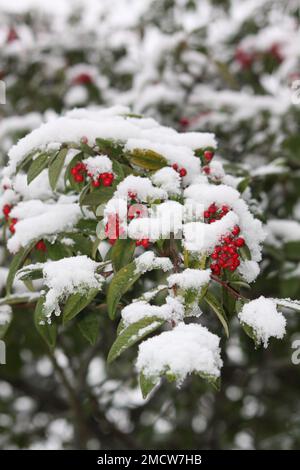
(40, 220)
(171, 310)
(249, 270)
(148, 261)
(117, 127)
(99, 164)
(164, 219)
(189, 279)
(142, 187)
(202, 237)
(68, 276)
(262, 316)
(167, 179)
(182, 351)
(5, 314)
(285, 230)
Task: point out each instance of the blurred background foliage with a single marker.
(221, 66)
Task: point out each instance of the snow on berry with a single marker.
(262, 316)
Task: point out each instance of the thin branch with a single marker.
(230, 289)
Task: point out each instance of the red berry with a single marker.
(216, 269)
(225, 209)
(6, 210)
(212, 209)
(175, 166)
(138, 243)
(82, 79)
(145, 242)
(106, 182)
(206, 214)
(131, 195)
(212, 221)
(243, 58)
(239, 242)
(12, 225)
(74, 171)
(208, 155)
(184, 122)
(111, 177)
(96, 183)
(215, 256)
(79, 178)
(41, 246)
(183, 172)
(236, 230)
(206, 170)
(12, 35)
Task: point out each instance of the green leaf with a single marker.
(25, 161)
(99, 196)
(30, 273)
(56, 167)
(292, 250)
(132, 334)
(243, 184)
(88, 324)
(147, 159)
(147, 384)
(37, 166)
(122, 253)
(121, 283)
(250, 332)
(76, 303)
(245, 252)
(15, 299)
(109, 147)
(17, 261)
(46, 330)
(212, 380)
(216, 306)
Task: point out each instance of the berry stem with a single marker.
(230, 289)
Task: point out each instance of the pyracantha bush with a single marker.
(97, 202)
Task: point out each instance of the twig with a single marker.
(230, 289)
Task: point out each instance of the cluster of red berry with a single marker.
(246, 59)
(214, 213)
(182, 171)
(79, 173)
(226, 255)
(6, 212)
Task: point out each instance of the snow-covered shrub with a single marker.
(96, 202)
